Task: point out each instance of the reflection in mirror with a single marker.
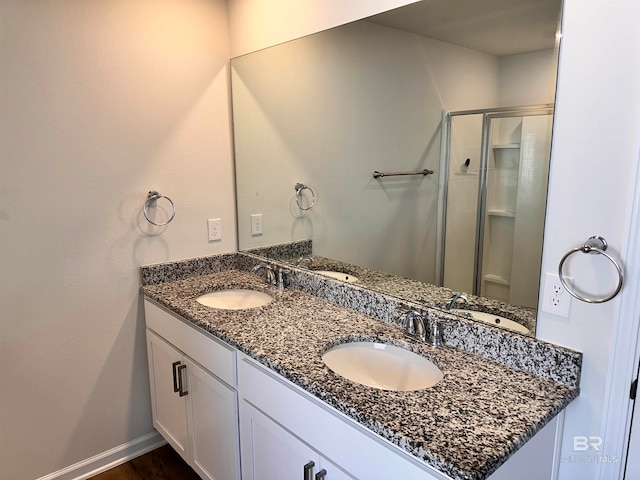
(493, 240)
(395, 95)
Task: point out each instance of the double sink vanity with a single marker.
(316, 378)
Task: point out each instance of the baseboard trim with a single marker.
(109, 459)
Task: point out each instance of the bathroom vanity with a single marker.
(245, 393)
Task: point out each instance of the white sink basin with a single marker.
(494, 320)
(235, 299)
(382, 366)
(345, 277)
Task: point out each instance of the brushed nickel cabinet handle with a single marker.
(308, 471)
(321, 475)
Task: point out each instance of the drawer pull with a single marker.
(181, 389)
(308, 470)
(321, 475)
(176, 388)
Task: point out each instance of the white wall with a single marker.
(593, 166)
(328, 110)
(101, 102)
(528, 79)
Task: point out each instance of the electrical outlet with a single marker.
(256, 224)
(555, 298)
(214, 226)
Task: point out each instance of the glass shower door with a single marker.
(462, 202)
(495, 201)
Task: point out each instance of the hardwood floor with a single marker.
(160, 464)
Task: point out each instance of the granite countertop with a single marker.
(426, 293)
(465, 426)
(400, 287)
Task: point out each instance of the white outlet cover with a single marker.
(214, 227)
(555, 298)
(256, 224)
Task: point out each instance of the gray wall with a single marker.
(101, 102)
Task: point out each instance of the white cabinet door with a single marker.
(270, 452)
(201, 424)
(168, 407)
(213, 423)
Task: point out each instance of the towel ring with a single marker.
(595, 244)
(299, 188)
(153, 196)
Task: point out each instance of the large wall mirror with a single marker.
(462, 89)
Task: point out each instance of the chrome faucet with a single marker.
(270, 276)
(430, 331)
(303, 259)
(436, 329)
(454, 299)
(281, 278)
(414, 326)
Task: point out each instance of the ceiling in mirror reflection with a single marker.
(329, 109)
(529, 25)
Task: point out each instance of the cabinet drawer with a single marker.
(211, 353)
(335, 436)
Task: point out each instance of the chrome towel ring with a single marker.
(152, 197)
(595, 244)
(299, 188)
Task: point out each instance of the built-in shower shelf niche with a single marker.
(497, 279)
(507, 145)
(496, 290)
(498, 256)
(501, 213)
(496, 286)
(502, 196)
(503, 174)
(518, 167)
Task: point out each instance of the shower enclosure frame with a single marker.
(488, 115)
